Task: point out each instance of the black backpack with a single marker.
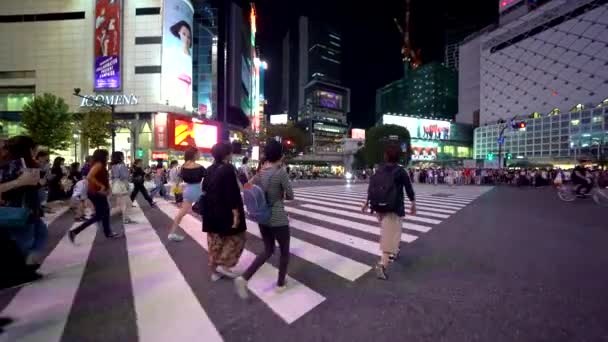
(382, 190)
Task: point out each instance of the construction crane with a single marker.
(410, 56)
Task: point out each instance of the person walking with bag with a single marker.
(120, 185)
(138, 178)
(223, 213)
(274, 181)
(192, 174)
(98, 190)
(385, 197)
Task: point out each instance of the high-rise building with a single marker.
(312, 92)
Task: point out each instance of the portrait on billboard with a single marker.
(187, 133)
(421, 128)
(176, 68)
(107, 44)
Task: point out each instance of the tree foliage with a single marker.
(299, 138)
(48, 121)
(94, 127)
(376, 139)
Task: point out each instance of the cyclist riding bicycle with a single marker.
(582, 180)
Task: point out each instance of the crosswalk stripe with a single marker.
(41, 309)
(339, 200)
(340, 265)
(357, 208)
(50, 218)
(168, 295)
(440, 204)
(418, 197)
(364, 193)
(450, 195)
(367, 217)
(346, 223)
(290, 305)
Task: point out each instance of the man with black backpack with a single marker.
(385, 197)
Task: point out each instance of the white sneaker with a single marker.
(281, 289)
(215, 276)
(226, 272)
(240, 285)
(175, 237)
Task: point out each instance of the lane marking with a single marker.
(290, 305)
(160, 289)
(347, 224)
(41, 308)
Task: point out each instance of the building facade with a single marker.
(312, 92)
(134, 54)
(550, 56)
(559, 138)
(429, 90)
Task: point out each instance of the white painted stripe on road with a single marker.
(335, 263)
(339, 200)
(346, 223)
(358, 208)
(51, 218)
(450, 192)
(41, 309)
(161, 291)
(367, 217)
(364, 193)
(290, 305)
(438, 204)
(418, 197)
(363, 245)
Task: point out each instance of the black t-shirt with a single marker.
(580, 169)
(194, 175)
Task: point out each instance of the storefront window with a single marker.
(14, 102)
(463, 152)
(448, 150)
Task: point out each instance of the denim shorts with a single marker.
(192, 192)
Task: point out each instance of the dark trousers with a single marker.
(139, 187)
(270, 235)
(102, 214)
(582, 185)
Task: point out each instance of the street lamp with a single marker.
(75, 136)
(101, 103)
(501, 140)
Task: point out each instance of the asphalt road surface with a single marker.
(477, 264)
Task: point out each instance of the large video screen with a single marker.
(421, 128)
(176, 71)
(330, 100)
(194, 134)
(108, 20)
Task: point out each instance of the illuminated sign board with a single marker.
(160, 155)
(107, 46)
(424, 150)
(278, 119)
(160, 130)
(176, 67)
(420, 128)
(358, 133)
(187, 132)
(117, 100)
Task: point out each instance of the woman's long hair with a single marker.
(21, 146)
(101, 156)
(117, 158)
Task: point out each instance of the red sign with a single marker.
(186, 132)
(358, 133)
(160, 155)
(160, 130)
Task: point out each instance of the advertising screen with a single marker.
(421, 128)
(278, 119)
(194, 134)
(358, 133)
(108, 21)
(330, 100)
(176, 76)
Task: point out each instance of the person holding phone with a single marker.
(98, 190)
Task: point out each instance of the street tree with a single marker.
(94, 127)
(295, 140)
(376, 139)
(48, 121)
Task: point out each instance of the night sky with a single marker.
(371, 54)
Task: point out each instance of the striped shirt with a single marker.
(276, 182)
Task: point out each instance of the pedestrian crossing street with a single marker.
(329, 234)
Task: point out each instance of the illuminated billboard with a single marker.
(107, 54)
(420, 128)
(357, 133)
(424, 150)
(176, 70)
(186, 132)
(278, 119)
(329, 100)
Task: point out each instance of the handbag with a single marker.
(14, 217)
(119, 187)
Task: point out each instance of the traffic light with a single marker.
(139, 153)
(519, 124)
(522, 125)
(288, 142)
(509, 155)
(490, 156)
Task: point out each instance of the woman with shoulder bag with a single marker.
(223, 213)
(120, 185)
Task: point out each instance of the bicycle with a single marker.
(567, 193)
